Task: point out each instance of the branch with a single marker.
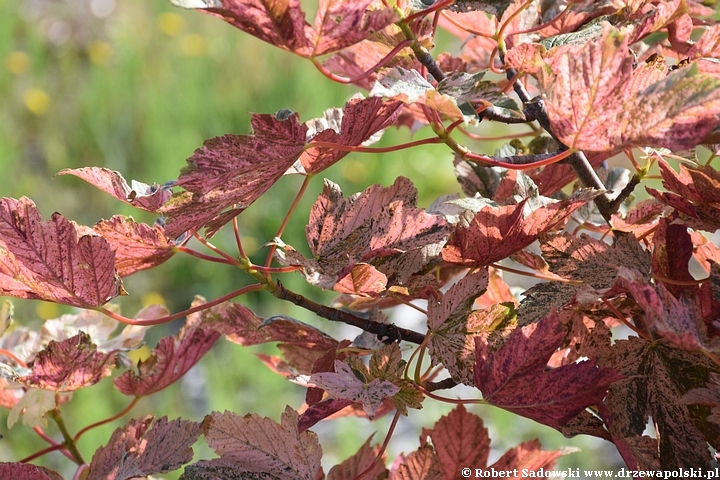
(385, 332)
(441, 385)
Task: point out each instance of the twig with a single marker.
(384, 331)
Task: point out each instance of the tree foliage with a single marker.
(639, 78)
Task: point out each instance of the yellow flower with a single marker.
(37, 101)
(170, 24)
(17, 62)
(100, 53)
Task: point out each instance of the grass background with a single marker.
(136, 87)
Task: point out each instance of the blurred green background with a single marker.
(136, 87)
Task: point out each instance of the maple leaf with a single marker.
(33, 406)
(54, 260)
(337, 24)
(460, 439)
(171, 359)
(706, 396)
(495, 233)
(345, 384)
(69, 365)
(140, 195)
(672, 250)
(693, 192)
(301, 344)
(137, 246)
(256, 447)
(365, 227)
(658, 376)
(453, 326)
(134, 451)
(597, 103)
(422, 464)
(26, 471)
(354, 125)
(359, 463)
(584, 259)
(528, 456)
(514, 376)
(363, 280)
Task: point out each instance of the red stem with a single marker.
(202, 256)
(394, 148)
(12, 357)
(379, 455)
(212, 247)
(281, 229)
(236, 231)
(362, 76)
(107, 420)
(42, 452)
(175, 316)
(501, 137)
(437, 6)
(540, 27)
(511, 166)
(467, 29)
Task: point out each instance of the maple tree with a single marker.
(593, 79)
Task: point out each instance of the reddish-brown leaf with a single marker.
(282, 23)
(145, 197)
(69, 365)
(137, 246)
(54, 260)
(496, 233)
(596, 102)
(530, 456)
(133, 451)
(233, 169)
(321, 410)
(422, 464)
(26, 471)
(460, 439)
(171, 359)
(363, 280)
(671, 254)
(356, 123)
(514, 377)
(709, 396)
(358, 463)
(256, 447)
(366, 227)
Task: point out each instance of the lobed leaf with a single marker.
(363, 459)
(69, 365)
(137, 246)
(256, 447)
(26, 471)
(514, 376)
(54, 260)
(134, 451)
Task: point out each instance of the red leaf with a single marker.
(69, 365)
(496, 233)
(596, 102)
(338, 24)
(421, 464)
(55, 260)
(320, 411)
(171, 359)
(233, 169)
(514, 377)
(671, 254)
(137, 246)
(530, 456)
(367, 226)
(460, 439)
(26, 471)
(145, 197)
(356, 123)
(133, 451)
(363, 280)
(359, 463)
(258, 447)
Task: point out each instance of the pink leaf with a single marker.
(596, 102)
(363, 459)
(133, 451)
(344, 384)
(358, 121)
(137, 246)
(514, 377)
(26, 471)
(145, 197)
(496, 233)
(69, 365)
(421, 464)
(53, 260)
(170, 360)
(258, 448)
(363, 280)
